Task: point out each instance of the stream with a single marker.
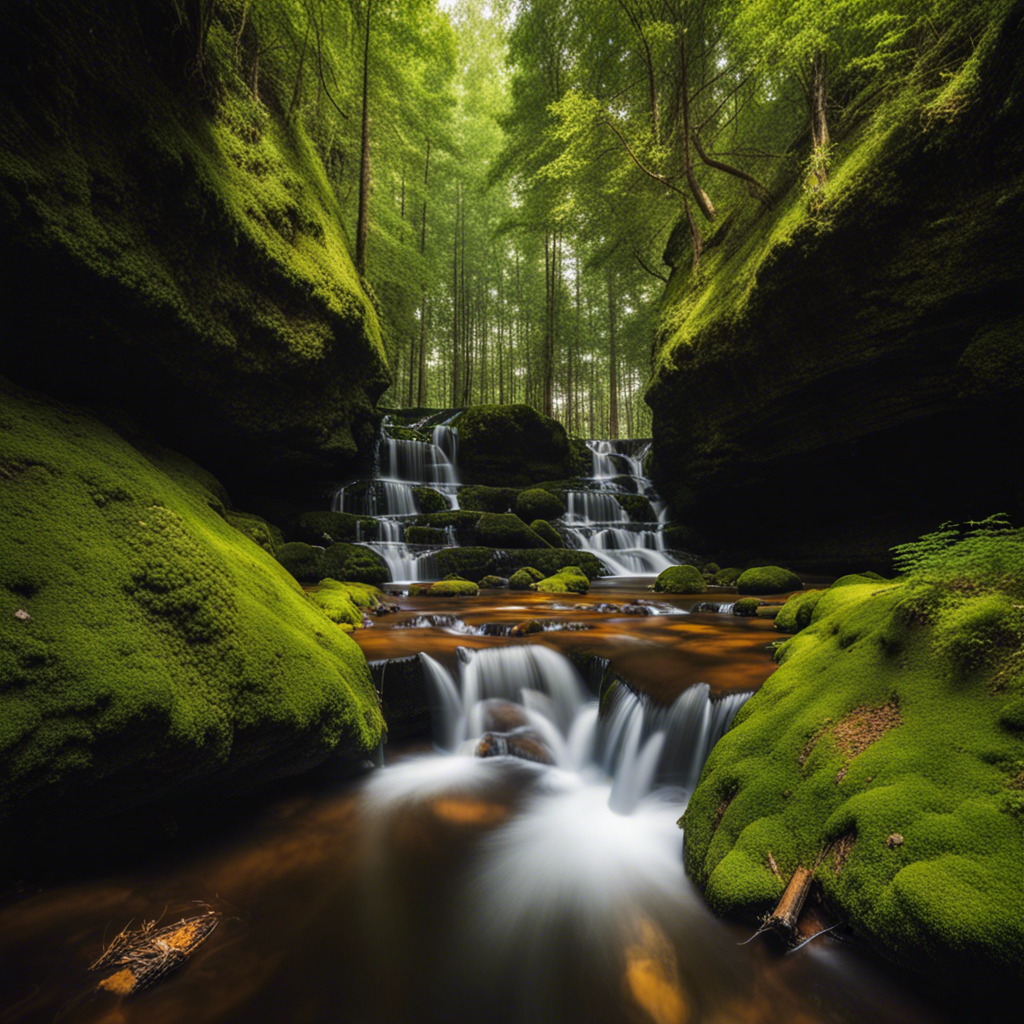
(445, 886)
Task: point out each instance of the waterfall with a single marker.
(636, 745)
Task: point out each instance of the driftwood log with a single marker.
(783, 919)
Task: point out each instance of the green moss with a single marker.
(406, 434)
(344, 603)
(453, 588)
(980, 629)
(746, 606)
(258, 530)
(637, 507)
(711, 569)
(539, 504)
(768, 579)
(503, 445)
(547, 532)
(476, 562)
(304, 561)
(680, 579)
(680, 538)
(424, 535)
(493, 582)
(570, 580)
(1011, 715)
(165, 651)
(525, 578)
(463, 520)
(727, 577)
(352, 563)
(507, 531)
(797, 611)
(430, 500)
(488, 499)
(328, 527)
(900, 740)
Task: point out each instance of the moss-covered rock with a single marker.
(304, 561)
(424, 535)
(898, 771)
(430, 500)
(257, 529)
(407, 434)
(493, 583)
(507, 531)
(453, 588)
(711, 569)
(547, 532)
(727, 577)
(768, 579)
(488, 499)
(680, 579)
(328, 527)
(515, 445)
(746, 606)
(637, 507)
(463, 520)
(353, 563)
(164, 651)
(472, 562)
(537, 503)
(196, 233)
(797, 611)
(524, 578)
(344, 603)
(476, 562)
(569, 580)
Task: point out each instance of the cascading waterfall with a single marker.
(595, 520)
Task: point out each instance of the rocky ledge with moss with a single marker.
(148, 647)
(886, 753)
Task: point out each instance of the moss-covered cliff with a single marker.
(859, 350)
(171, 239)
(147, 646)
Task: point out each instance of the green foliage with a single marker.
(424, 535)
(258, 530)
(327, 527)
(727, 577)
(539, 504)
(547, 532)
(453, 588)
(680, 579)
(525, 578)
(304, 561)
(352, 563)
(637, 507)
(344, 603)
(797, 611)
(493, 582)
(507, 531)
(768, 579)
(569, 580)
(165, 651)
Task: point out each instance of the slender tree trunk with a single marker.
(700, 197)
(455, 306)
(819, 117)
(613, 376)
(501, 333)
(363, 223)
(422, 394)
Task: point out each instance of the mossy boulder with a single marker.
(328, 527)
(637, 507)
(476, 562)
(746, 606)
(507, 531)
(898, 777)
(463, 520)
(493, 583)
(512, 445)
(727, 577)
(453, 588)
(768, 579)
(257, 529)
(524, 578)
(536, 503)
(569, 580)
(547, 532)
(472, 562)
(680, 579)
(424, 535)
(344, 603)
(797, 611)
(304, 561)
(353, 563)
(488, 499)
(430, 500)
(164, 652)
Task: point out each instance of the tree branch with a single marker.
(651, 174)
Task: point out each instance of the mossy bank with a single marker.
(148, 648)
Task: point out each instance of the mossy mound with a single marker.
(768, 579)
(463, 520)
(164, 651)
(453, 588)
(476, 562)
(344, 603)
(515, 445)
(257, 529)
(327, 527)
(536, 503)
(430, 500)
(304, 561)
(898, 776)
(569, 580)
(493, 583)
(547, 532)
(524, 578)
(352, 563)
(746, 606)
(680, 579)
(797, 611)
(637, 507)
(727, 577)
(488, 499)
(507, 531)
(711, 569)
(424, 535)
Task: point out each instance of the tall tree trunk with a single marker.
(455, 306)
(501, 333)
(422, 393)
(700, 197)
(613, 375)
(819, 117)
(363, 223)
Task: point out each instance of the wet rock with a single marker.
(526, 628)
(523, 743)
(502, 716)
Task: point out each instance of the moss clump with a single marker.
(257, 529)
(304, 561)
(569, 580)
(470, 562)
(352, 563)
(488, 499)
(980, 629)
(344, 603)
(453, 588)
(503, 445)
(507, 531)
(430, 500)
(547, 532)
(768, 579)
(637, 507)
(711, 569)
(165, 652)
(680, 579)
(797, 611)
(727, 577)
(328, 527)
(476, 562)
(539, 504)
(424, 535)
(524, 578)
(855, 578)
(407, 434)
(746, 606)
(680, 538)
(463, 520)
(906, 738)
(493, 583)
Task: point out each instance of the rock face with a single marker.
(172, 246)
(163, 650)
(867, 357)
